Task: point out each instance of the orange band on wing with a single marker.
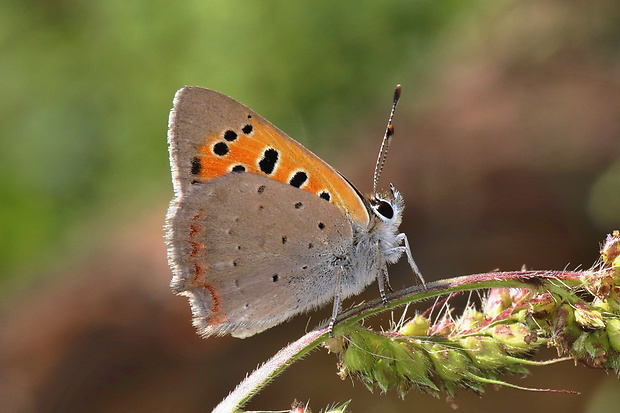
(265, 150)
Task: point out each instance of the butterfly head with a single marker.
(388, 209)
(387, 213)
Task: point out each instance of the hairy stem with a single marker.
(536, 280)
(273, 367)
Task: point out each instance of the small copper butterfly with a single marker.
(260, 229)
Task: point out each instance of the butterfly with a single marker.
(260, 229)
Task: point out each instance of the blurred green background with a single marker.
(507, 152)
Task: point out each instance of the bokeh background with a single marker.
(507, 151)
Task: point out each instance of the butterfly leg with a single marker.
(382, 282)
(402, 237)
(387, 280)
(337, 302)
(382, 278)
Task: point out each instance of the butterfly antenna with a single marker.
(387, 137)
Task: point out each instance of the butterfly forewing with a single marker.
(211, 135)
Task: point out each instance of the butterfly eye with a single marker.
(385, 209)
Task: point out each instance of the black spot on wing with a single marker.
(230, 135)
(220, 149)
(269, 161)
(298, 179)
(196, 166)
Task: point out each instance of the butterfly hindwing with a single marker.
(211, 135)
(243, 233)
